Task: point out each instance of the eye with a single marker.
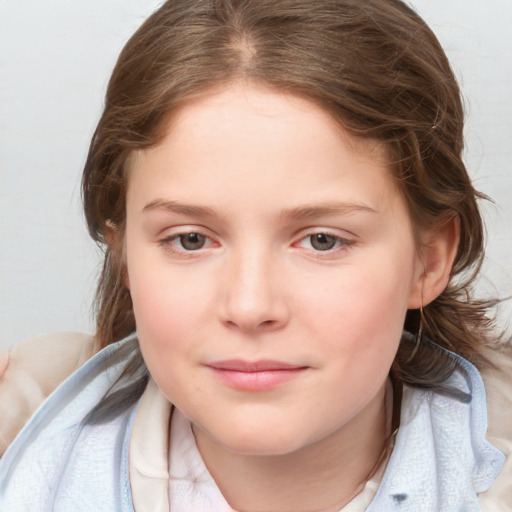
(322, 241)
(186, 242)
(191, 241)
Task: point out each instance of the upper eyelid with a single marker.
(344, 240)
(336, 232)
(174, 231)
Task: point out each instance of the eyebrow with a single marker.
(175, 207)
(324, 210)
(297, 213)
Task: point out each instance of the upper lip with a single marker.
(264, 365)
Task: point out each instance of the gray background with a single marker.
(55, 59)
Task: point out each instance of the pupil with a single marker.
(192, 241)
(323, 242)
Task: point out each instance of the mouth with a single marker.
(255, 375)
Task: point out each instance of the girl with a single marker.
(285, 319)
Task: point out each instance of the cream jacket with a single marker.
(34, 368)
(30, 371)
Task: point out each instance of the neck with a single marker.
(322, 476)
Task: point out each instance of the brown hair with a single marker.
(374, 65)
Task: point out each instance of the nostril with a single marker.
(253, 326)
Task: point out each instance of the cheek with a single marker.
(157, 308)
(166, 314)
(159, 291)
(360, 297)
(168, 324)
(358, 315)
(173, 313)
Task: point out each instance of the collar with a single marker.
(149, 448)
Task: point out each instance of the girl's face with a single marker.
(271, 261)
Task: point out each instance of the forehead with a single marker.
(251, 140)
(261, 102)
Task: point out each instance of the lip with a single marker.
(255, 375)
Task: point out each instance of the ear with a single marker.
(434, 263)
(116, 245)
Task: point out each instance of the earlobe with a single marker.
(111, 234)
(435, 261)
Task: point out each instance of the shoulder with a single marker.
(31, 370)
(498, 385)
(441, 460)
(77, 434)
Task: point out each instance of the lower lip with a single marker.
(257, 381)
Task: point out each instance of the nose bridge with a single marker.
(253, 298)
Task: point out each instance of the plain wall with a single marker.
(55, 59)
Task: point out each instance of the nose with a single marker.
(254, 297)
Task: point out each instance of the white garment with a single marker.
(191, 486)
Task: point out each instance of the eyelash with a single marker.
(341, 243)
